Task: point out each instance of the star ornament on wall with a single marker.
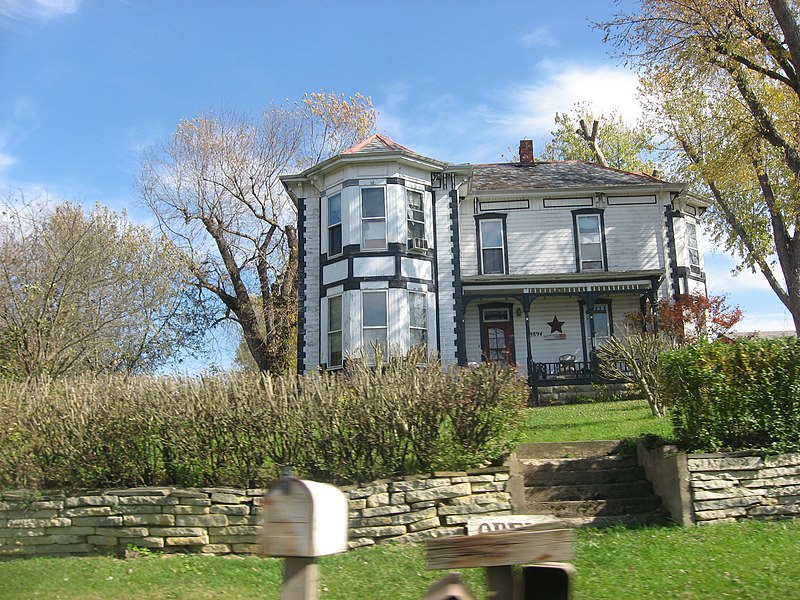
(556, 325)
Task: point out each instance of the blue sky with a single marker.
(85, 85)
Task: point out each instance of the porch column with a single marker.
(590, 298)
(533, 379)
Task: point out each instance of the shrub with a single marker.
(735, 396)
(236, 430)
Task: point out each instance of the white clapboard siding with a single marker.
(634, 237)
(446, 281)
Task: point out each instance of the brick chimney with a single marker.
(526, 152)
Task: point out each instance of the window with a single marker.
(335, 225)
(415, 215)
(373, 219)
(691, 245)
(335, 331)
(418, 318)
(374, 322)
(492, 247)
(590, 242)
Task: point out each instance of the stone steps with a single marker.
(586, 483)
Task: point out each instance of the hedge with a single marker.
(237, 430)
(731, 396)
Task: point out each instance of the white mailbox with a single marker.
(303, 518)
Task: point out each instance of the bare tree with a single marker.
(215, 191)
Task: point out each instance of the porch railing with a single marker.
(569, 372)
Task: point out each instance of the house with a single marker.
(533, 263)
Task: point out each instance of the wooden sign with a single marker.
(512, 547)
(478, 525)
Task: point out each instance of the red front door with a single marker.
(497, 335)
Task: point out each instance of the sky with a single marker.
(87, 85)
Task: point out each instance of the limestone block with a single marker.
(397, 498)
(419, 536)
(165, 520)
(201, 520)
(67, 539)
(467, 509)
(421, 505)
(456, 519)
(182, 494)
(186, 541)
(378, 500)
(244, 520)
(357, 504)
(771, 472)
(195, 501)
(139, 510)
(147, 541)
(725, 503)
(149, 500)
(423, 525)
(142, 491)
(411, 517)
(726, 463)
(409, 485)
(70, 530)
(365, 492)
(783, 460)
(216, 549)
(121, 531)
(97, 521)
(245, 548)
(89, 511)
(375, 522)
(186, 510)
(22, 532)
(37, 523)
(380, 511)
(439, 493)
(177, 531)
(783, 510)
(360, 542)
(230, 509)
(47, 505)
(227, 498)
(376, 532)
(235, 530)
(101, 500)
(63, 549)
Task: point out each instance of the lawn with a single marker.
(593, 421)
(742, 560)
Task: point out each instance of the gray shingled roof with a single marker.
(375, 143)
(544, 175)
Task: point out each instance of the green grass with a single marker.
(740, 560)
(593, 421)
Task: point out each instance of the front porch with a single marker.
(550, 326)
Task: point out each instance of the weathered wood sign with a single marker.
(478, 525)
(524, 545)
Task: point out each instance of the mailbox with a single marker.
(303, 519)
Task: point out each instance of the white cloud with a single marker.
(36, 10)
(561, 86)
(541, 36)
(6, 158)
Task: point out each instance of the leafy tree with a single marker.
(612, 141)
(634, 356)
(87, 292)
(214, 188)
(723, 81)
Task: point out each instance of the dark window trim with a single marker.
(583, 212)
(491, 217)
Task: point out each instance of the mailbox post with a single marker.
(301, 521)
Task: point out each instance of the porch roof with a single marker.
(563, 284)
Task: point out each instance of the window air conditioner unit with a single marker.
(418, 245)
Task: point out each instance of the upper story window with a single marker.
(374, 322)
(335, 331)
(373, 219)
(589, 241)
(415, 215)
(418, 313)
(692, 247)
(335, 225)
(492, 246)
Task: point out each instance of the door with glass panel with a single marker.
(497, 335)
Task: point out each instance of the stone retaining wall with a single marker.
(223, 521)
(735, 486)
